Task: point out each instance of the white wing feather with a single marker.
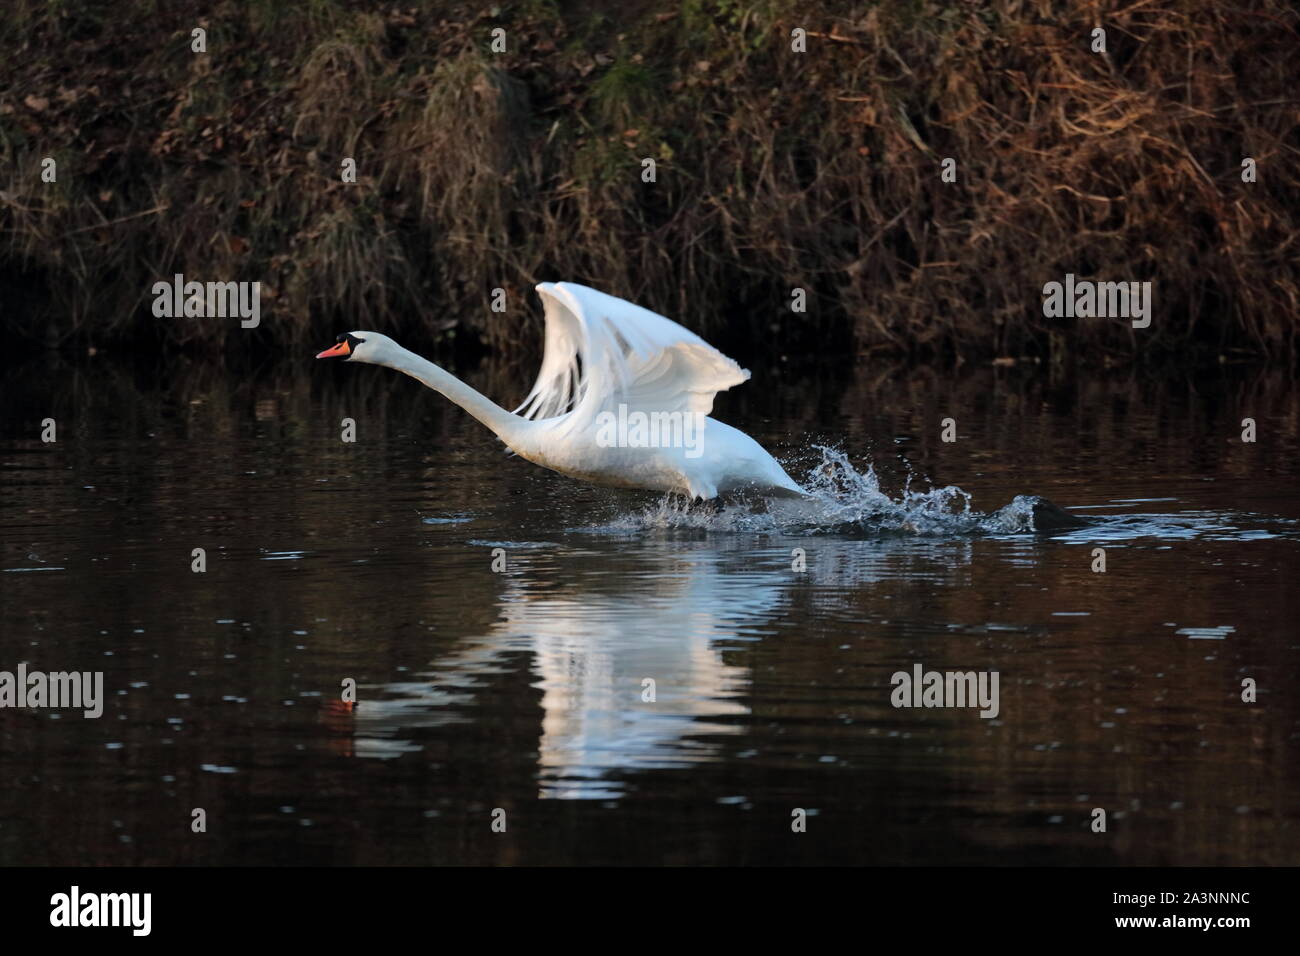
(602, 351)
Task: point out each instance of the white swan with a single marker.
(622, 399)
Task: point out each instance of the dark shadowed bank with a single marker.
(775, 170)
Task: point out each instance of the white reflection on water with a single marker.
(597, 624)
(593, 642)
(664, 610)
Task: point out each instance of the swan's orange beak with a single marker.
(342, 350)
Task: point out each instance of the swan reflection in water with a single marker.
(669, 614)
(593, 644)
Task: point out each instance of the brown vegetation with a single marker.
(776, 169)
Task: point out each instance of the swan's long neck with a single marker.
(505, 425)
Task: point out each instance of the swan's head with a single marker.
(360, 347)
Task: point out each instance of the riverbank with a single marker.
(774, 171)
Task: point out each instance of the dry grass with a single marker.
(775, 170)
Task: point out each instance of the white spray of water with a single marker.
(841, 499)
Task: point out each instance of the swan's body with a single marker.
(608, 363)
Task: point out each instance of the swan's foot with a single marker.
(1050, 517)
(752, 501)
(708, 506)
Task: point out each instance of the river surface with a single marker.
(502, 625)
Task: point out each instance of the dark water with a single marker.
(521, 689)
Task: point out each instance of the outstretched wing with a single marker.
(602, 351)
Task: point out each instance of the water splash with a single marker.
(847, 502)
(842, 500)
